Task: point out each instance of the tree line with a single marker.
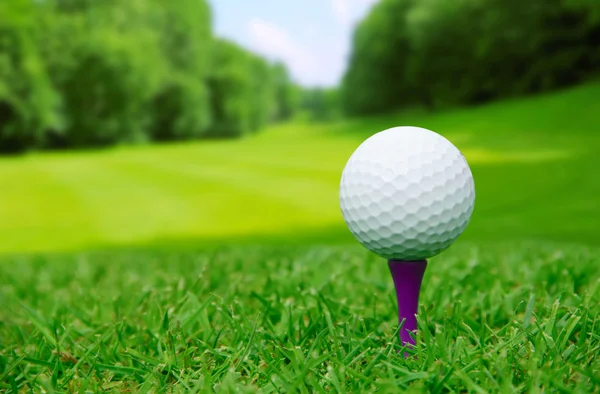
(86, 73)
(83, 73)
(438, 53)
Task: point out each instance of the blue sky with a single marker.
(312, 37)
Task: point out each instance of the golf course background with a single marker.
(223, 264)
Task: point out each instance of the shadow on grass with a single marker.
(331, 236)
(325, 236)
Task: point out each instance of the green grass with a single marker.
(227, 266)
(512, 318)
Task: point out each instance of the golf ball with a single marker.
(407, 193)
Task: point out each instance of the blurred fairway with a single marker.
(534, 161)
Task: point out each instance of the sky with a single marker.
(312, 37)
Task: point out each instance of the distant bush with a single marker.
(438, 52)
(321, 104)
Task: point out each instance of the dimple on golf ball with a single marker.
(407, 193)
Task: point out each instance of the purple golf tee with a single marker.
(407, 276)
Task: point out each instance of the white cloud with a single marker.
(349, 12)
(315, 52)
(275, 43)
(341, 10)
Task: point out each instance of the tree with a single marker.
(182, 106)
(262, 96)
(440, 53)
(85, 73)
(28, 101)
(287, 94)
(376, 77)
(321, 104)
(230, 88)
(105, 61)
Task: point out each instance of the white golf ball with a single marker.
(407, 193)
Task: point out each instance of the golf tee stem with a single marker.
(407, 276)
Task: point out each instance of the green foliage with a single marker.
(182, 106)
(262, 98)
(287, 94)
(230, 84)
(106, 93)
(246, 91)
(321, 104)
(28, 101)
(439, 53)
(375, 80)
(78, 73)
